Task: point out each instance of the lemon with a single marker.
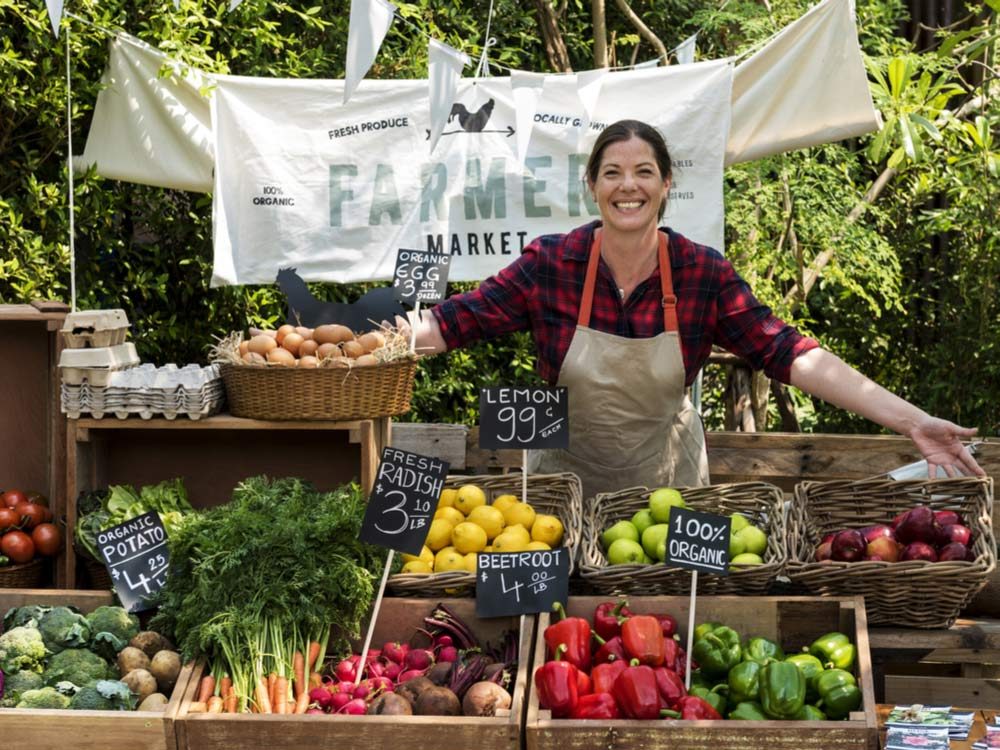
(518, 532)
(468, 537)
(489, 518)
(425, 556)
(417, 566)
(488, 548)
(548, 529)
(470, 562)
(509, 541)
(447, 498)
(450, 514)
(521, 513)
(439, 534)
(448, 559)
(504, 501)
(533, 546)
(469, 496)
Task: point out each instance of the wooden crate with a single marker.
(86, 730)
(397, 620)
(794, 622)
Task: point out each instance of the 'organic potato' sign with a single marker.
(137, 558)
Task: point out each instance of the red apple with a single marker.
(828, 538)
(917, 526)
(884, 548)
(919, 551)
(952, 552)
(849, 546)
(878, 530)
(824, 552)
(955, 532)
(898, 519)
(872, 558)
(947, 517)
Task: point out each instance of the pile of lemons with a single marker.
(464, 525)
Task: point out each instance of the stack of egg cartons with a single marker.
(101, 375)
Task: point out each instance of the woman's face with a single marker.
(629, 187)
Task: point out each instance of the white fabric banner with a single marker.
(526, 88)
(370, 22)
(335, 191)
(444, 70)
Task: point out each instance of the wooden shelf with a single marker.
(216, 422)
(966, 634)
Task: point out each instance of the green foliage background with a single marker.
(909, 296)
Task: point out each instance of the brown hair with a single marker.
(623, 130)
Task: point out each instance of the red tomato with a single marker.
(17, 546)
(47, 539)
(12, 497)
(30, 514)
(37, 497)
(8, 519)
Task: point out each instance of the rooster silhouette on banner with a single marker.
(473, 122)
(305, 310)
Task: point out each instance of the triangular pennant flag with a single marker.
(55, 14)
(526, 88)
(647, 64)
(588, 89)
(444, 69)
(685, 50)
(370, 22)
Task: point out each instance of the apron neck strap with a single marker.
(668, 300)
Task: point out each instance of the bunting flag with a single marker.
(526, 88)
(370, 22)
(685, 50)
(588, 88)
(647, 64)
(444, 70)
(55, 8)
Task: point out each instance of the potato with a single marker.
(154, 702)
(130, 658)
(332, 334)
(140, 682)
(150, 642)
(165, 667)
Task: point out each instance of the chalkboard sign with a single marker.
(137, 559)
(521, 583)
(699, 541)
(404, 500)
(515, 417)
(420, 276)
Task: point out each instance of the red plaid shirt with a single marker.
(542, 289)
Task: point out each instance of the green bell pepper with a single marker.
(782, 690)
(838, 693)
(706, 627)
(700, 679)
(744, 682)
(748, 711)
(762, 651)
(712, 696)
(810, 713)
(834, 650)
(717, 651)
(811, 668)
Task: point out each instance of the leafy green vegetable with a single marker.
(29, 614)
(63, 628)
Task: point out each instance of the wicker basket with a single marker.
(917, 593)
(27, 576)
(554, 494)
(762, 504)
(328, 393)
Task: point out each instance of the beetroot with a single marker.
(948, 517)
(955, 532)
(919, 551)
(952, 552)
(871, 533)
(448, 653)
(849, 546)
(917, 526)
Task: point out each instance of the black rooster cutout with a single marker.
(305, 310)
(473, 122)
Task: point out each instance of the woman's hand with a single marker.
(940, 442)
(428, 334)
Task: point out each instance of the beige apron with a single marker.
(630, 421)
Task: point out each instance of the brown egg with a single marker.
(308, 362)
(292, 342)
(332, 334)
(309, 347)
(336, 361)
(279, 356)
(352, 349)
(306, 333)
(244, 347)
(371, 341)
(283, 331)
(366, 360)
(262, 344)
(253, 358)
(328, 350)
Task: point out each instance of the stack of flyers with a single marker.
(957, 723)
(915, 736)
(991, 740)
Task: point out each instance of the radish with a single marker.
(395, 651)
(410, 674)
(392, 670)
(338, 701)
(346, 671)
(356, 707)
(418, 658)
(448, 653)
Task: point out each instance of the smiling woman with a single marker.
(624, 314)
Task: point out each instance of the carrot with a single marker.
(206, 688)
(215, 705)
(281, 695)
(314, 654)
(299, 673)
(263, 699)
(302, 704)
(230, 702)
(315, 680)
(196, 707)
(225, 686)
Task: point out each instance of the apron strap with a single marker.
(668, 299)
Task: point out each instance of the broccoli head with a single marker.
(18, 683)
(114, 620)
(104, 695)
(30, 614)
(21, 648)
(76, 665)
(63, 628)
(46, 697)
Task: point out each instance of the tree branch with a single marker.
(555, 47)
(643, 29)
(599, 18)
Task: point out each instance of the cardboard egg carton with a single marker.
(95, 366)
(95, 329)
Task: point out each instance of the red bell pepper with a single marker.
(680, 663)
(693, 708)
(603, 676)
(668, 625)
(584, 685)
(557, 685)
(670, 685)
(596, 706)
(608, 618)
(670, 651)
(574, 632)
(644, 640)
(636, 693)
(612, 650)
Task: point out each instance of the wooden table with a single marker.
(977, 732)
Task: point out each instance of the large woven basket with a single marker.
(553, 494)
(327, 393)
(26, 576)
(917, 593)
(761, 503)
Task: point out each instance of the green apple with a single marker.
(654, 541)
(625, 552)
(662, 500)
(736, 545)
(747, 558)
(647, 559)
(642, 520)
(739, 522)
(620, 530)
(754, 540)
